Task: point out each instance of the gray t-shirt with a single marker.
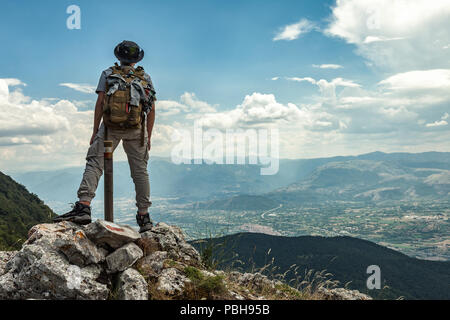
(101, 87)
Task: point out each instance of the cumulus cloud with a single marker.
(260, 110)
(294, 31)
(188, 103)
(35, 133)
(80, 87)
(35, 118)
(191, 100)
(396, 34)
(166, 108)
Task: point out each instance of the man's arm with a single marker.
(97, 114)
(150, 123)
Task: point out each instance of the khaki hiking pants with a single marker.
(137, 159)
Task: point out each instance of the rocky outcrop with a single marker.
(5, 256)
(171, 240)
(123, 257)
(104, 260)
(342, 294)
(131, 286)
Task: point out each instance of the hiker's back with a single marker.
(128, 97)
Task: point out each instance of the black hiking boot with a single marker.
(144, 222)
(80, 214)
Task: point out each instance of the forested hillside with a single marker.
(19, 211)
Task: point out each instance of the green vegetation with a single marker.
(19, 211)
(203, 286)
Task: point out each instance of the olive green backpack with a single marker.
(118, 113)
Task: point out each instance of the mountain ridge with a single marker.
(346, 258)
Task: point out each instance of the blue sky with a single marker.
(221, 50)
(335, 77)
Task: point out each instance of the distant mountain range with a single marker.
(19, 211)
(345, 258)
(371, 177)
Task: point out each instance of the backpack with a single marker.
(127, 96)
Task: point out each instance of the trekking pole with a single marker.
(108, 173)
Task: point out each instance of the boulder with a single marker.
(68, 238)
(115, 236)
(42, 272)
(171, 239)
(123, 257)
(132, 286)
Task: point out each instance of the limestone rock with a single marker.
(68, 238)
(114, 235)
(40, 272)
(132, 286)
(5, 256)
(123, 257)
(171, 282)
(171, 239)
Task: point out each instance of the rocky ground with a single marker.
(104, 260)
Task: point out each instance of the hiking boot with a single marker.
(80, 214)
(144, 222)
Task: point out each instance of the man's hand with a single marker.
(149, 143)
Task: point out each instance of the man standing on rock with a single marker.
(126, 103)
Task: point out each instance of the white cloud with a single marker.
(419, 80)
(307, 79)
(166, 108)
(14, 82)
(440, 123)
(40, 133)
(293, 31)
(328, 66)
(189, 103)
(264, 111)
(371, 39)
(85, 88)
(396, 34)
(327, 88)
(437, 124)
(191, 100)
(337, 82)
